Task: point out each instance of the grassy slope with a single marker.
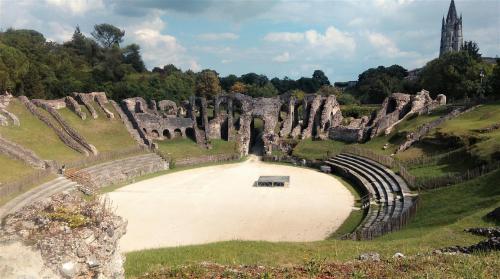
(310, 149)
(443, 216)
(104, 133)
(35, 135)
(466, 125)
(397, 136)
(184, 148)
(12, 169)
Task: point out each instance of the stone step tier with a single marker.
(125, 169)
(389, 195)
(46, 190)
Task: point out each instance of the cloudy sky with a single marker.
(276, 38)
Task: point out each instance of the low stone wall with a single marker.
(206, 159)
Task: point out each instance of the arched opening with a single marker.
(256, 133)
(138, 107)
(391, 107)
(155, 134)
(166, 134)
(177, 133)
(190, 133)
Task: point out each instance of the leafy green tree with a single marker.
(375, 84)
(268, 90)
(207, 84)
(107, 35)
(494, 81)
(133, 57)
(320, 77)
(326, 90)
(13, 66)
(455, 74)
(472, 48)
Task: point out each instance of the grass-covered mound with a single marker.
(440, 221)
(180, 148)
(35, 135)
(106, 134)
(317, 149)
(428, 266)
(12, 169)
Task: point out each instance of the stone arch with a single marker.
(177, 133)
(391, 106)
(167, 134)
(155, 134)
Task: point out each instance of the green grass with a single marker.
(12, 169)
(105, 134)
(35, 135)
(186, 148)
(317, 150)
(398, 136)
(468, 124)
(442, 217)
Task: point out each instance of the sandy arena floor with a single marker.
(219, 203)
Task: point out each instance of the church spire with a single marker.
(452, 12)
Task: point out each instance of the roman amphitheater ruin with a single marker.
(211, 203)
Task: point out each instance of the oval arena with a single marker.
(220, 203)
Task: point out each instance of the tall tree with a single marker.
(207, 83)
(320, 77)
(472, 48)
(107, 35)
(133, 57)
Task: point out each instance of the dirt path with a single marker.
(219, 203)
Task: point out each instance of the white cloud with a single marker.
(159, 49)
(384, 45)
(324, 43)
(77, 6)
(61, 32)
(284, 37)
(333, 39)
(284, 57)
(218, 36)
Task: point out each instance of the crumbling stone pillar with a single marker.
(288, 122)
(311, 119)
(230, 121)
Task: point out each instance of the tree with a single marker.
(326, 90)
(239, 87)
(133, 57)
(227, 82)
(494, 81)
(375, 84)
(320, 77)
(472, 48)
(267, 90)
(455, 74)
(107, 35)
(207, 83)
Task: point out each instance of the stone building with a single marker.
(451, 31)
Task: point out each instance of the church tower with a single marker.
(451, 31)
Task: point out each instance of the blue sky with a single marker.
(276, 38)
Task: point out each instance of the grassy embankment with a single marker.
(107, 135)
(180, 148)
(36, 136)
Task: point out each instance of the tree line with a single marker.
(32, 66)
